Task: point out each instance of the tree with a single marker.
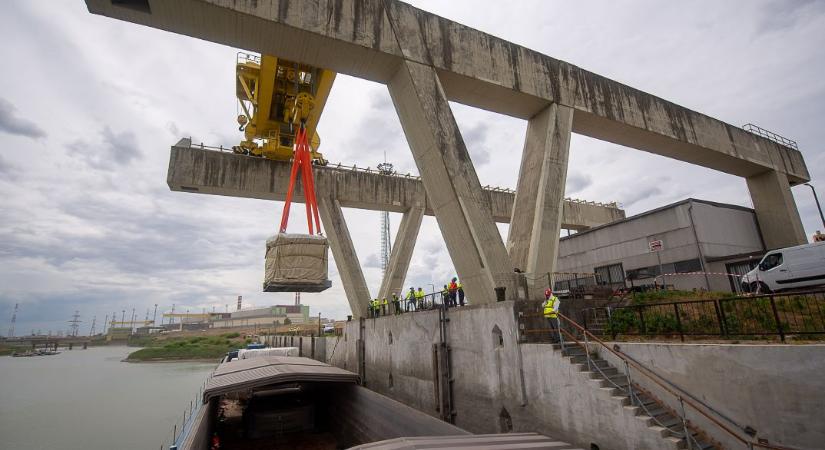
(287, 321)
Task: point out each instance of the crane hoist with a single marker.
(282, 101)
(276, 97)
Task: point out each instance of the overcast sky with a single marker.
(89, 107)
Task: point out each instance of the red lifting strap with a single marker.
(301, 161)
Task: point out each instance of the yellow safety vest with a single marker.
(419, 294)
(460, 286)
(385, 301)
(549, 311)
(375, 304)
(410, 295)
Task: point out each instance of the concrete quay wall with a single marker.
(778, 390)
(498, 385)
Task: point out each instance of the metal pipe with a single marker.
(818, 206)
(629, 384)
(698, 245)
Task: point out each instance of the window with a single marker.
(612, 274)
(691, 265)
(771, 261)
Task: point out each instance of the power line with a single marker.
(75, 323)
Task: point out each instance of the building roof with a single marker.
(656, 210)
(247, 374)
(484, 441)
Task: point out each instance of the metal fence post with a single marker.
(561, 337)
(629, 383)
(679, 322)
(587, 351)
(776, 318)
(684, 424)
(642, 327)
(718, 308)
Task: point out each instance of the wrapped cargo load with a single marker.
(259, 352)
(296, 263)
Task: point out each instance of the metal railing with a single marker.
(375, 170)
(779, 315)
(179, 432)
(570, 333)
(757, 130)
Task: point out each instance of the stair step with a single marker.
(670, 421)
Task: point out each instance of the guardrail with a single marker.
(779, 315)
(757, 130)
(355, 168)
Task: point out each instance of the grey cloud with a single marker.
(631, 197)
(11, 123)
(476, 141)
(5, 167)
(781, 15)
(372, 261)
(577, 182)
(381, 101)
(113, 149)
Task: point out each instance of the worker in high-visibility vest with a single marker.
(396, 303)
(410, 306)
(460, 293)
(419, 298)
(453, 288)
(550, 309)
(370, 309)
(445, 296)
(384, 306)
(376, 308)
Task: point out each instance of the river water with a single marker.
(90, 400)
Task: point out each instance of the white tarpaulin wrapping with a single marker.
(296, 259)
(259, 352)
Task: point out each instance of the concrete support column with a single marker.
(451, 183)
(401, 252)
(346, 260)
(537, 210)
(776, 210)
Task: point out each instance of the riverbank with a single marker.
(198, 348)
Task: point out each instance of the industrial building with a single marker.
(691, 244)
(271, 315)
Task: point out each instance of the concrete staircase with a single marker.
(647, 408)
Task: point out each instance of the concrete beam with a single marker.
(346, 260)
(776, 210)
(451, 182)
(197, 170)
(534, 231)
(401, 253)
(371, 38)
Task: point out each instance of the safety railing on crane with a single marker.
(757, 130)
(376, 170)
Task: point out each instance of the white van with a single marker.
(788, 268)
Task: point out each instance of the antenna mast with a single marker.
(385, 168)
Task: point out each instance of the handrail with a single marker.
(654, 377)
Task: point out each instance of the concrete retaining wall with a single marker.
(779, 390)
(493, 390)
(501, 385)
